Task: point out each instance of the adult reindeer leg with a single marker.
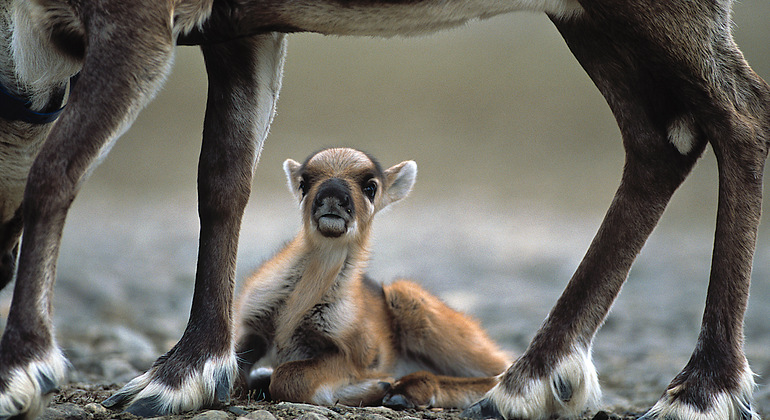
(671, 91)
(117, 79)
(717, 381)
(244, 80)
(714, 95)
(10, 234)
(555, 375)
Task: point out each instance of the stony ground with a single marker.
(125, 283)
(81, 401)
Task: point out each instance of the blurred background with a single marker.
(518, 157)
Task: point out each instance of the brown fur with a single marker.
(332, 335)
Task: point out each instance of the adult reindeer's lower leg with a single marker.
(10, 233)
(717, 382)
(711, 93)
(555, 375)
(108, 97)
(201, 368)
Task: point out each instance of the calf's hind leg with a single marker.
(461, 361)
(429, 331)
(327, 380)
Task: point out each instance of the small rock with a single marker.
(385, 411)
(212, 415)
(64, 411)
(310, 409)
(371, 416)
(133, 345)
(95, 409)
(118, 370)
(238, 411)
(312, 416)
(258, 415)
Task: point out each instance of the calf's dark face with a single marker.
(340, 190)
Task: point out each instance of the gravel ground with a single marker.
(81, 401)
(126, 278)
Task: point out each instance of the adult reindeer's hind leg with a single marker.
(731, 106)
(244, 80)
(711, 94)
(717, 382)
(556, 376)
(117, 79)
(10, 233)
(672, 90)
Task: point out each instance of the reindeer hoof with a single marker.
(571, 388)
(677, 403)
(116, 400)
(25, 390)
(146, 407)
(397, 402)
(156, 393)
(259, 381)
(142, 407)
(483, 409)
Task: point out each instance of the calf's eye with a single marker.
(303, 187)
(370, 189)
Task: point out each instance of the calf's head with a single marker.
(341, 189)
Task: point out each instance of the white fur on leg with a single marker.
(542, 398)
(681, 134)
(724, 406)
(272, 56)
(347, 394)
(29, 388)
(196, 391)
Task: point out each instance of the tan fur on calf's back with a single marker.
(332, 334)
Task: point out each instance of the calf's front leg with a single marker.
(327, 380)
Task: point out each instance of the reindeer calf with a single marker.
(333, 334)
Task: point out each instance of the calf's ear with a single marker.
(399, 180)
(293, 177)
